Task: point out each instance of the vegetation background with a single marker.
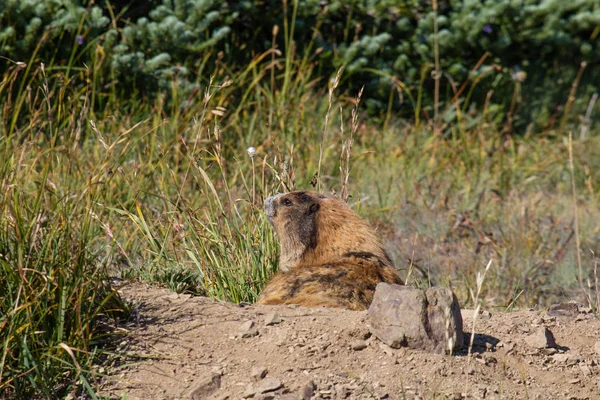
(138, 141)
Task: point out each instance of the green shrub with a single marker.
(532, 49)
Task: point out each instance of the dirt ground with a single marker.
(182, 347)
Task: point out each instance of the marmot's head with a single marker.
(315, 229)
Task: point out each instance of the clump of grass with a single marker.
(56, 300)
(55, 296)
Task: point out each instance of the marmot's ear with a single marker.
(314, 207)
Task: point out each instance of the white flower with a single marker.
(251, 151)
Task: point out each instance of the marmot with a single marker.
(329, 255)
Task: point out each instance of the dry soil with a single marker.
(182, 347)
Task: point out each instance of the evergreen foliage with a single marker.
(532, 49)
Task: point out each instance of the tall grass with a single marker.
(55, 298)
(171, 191)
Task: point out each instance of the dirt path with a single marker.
(188, 341)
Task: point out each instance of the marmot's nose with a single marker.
(270, 205)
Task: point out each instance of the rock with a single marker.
(272, 319)
(206, 387)
(541, 338)
(562, 358)
(585, 370)
(597, 347)
(570, 309)
(586, 310)
(289, 396)
(358, 344)
(269, 385)
(250, 391)
(258, 372)
(307, 391)
(403, 316)
(549, 351)
(248, 330)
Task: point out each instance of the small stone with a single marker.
(288, 396)
(570, 309)
(258, 372)
(269, 385)
(250, 391)
(272, 319)
(358, 345)
(585, 370)
(574, 381)
(597, 347)
(246, 326)
(308, 391)
(248, 330)
(541, 338)
(206, 387)
(485, 314)
(549, 351)
(562, 358)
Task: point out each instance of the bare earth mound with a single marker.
(181, 343)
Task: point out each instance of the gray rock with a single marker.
(358, 344)
(248, 330)
(289, 396)
(246, 326)
(250, 391)
(562, 358)
(541, 338)
(570, 309)
(269, 385)
(258, 372)
(403, 316)
(206, 387)
(585, 370)
(272, 319)
(307, 390)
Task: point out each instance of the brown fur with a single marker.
(329, 255)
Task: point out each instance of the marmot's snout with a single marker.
(270, 206)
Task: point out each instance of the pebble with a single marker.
(248, 330)
(250, 391)
(206, 387)
(562, 358)
(597, 347)
(358, 345)
(307, 390)
(258, 372)
(269, 385)
(272, 319)
(570, 309)
(585, 370)
(541, 338)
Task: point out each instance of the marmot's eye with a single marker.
(286, 202)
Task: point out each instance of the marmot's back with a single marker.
(348, 283)
(329, 255)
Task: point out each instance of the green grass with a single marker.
(167, 192)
